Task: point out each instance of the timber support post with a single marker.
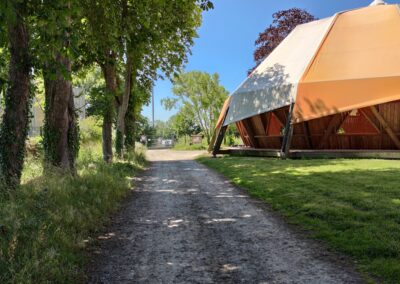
(220, 138)
(287, 138)
(335, 123)
(386, 126)
(307, 134)
(250, 132)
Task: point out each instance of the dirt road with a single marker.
(186, 224)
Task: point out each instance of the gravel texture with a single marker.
(184, 223)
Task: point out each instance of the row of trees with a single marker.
(131, 41)
(176, 126)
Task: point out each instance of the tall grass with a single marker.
(46, 224)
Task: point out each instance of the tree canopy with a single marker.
(126, 45)
(200, 96)
(283, 23)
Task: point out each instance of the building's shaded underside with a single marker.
(357, 129)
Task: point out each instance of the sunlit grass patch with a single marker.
(353, 205)
(184, 144)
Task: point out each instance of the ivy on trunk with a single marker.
(61, 139)
(110, 76)
(124, 104)
(14, 127)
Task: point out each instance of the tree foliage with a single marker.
(4, 61)
(200, 96)
(56, 38)
(132, 42)
(133, 119)
(163, 129)
(143, 39)
(283, 23)
(183, 123)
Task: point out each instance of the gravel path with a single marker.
(186, 224)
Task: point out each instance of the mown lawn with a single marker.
(353, 205)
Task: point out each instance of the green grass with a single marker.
(183, 144)
(353, 205)
(48, 222)
(187, 147)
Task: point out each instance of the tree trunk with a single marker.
(110, 77)
(123, 106)
(14, 127)
(73, 133)
(60, 130)
(130, 125)
(107, 136)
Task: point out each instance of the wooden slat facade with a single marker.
(327, 132)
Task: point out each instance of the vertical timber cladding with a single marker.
(329, 132)
(243, 133)
(264, 131)
(318, 134)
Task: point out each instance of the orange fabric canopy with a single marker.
(358, 65)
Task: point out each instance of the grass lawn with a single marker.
(183, 144)
(353, 205)
(187, 147)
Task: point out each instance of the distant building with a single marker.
(80, 102)
(37, 120)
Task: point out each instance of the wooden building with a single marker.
(331, 85)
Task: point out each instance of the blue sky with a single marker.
(226, 39)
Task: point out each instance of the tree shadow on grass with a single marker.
(353, 205)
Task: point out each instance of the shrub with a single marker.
(34, 146)
(90, 129)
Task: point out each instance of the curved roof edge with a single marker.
(273, 84)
